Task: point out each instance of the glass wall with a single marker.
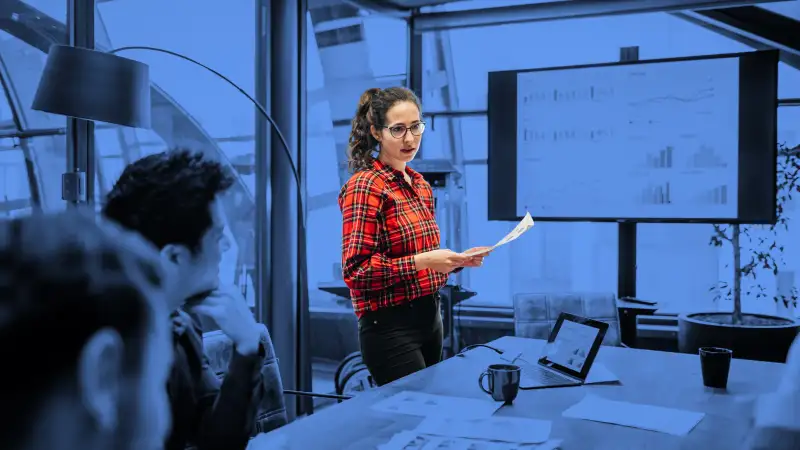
(340, 67)
(46, 155)
(676, 265)
(348, 52)
(192, 107)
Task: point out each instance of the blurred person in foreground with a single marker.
(173, 200)
(84, 338)
(777, 415)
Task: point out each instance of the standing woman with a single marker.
(391, 259)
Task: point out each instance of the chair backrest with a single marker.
(272, 413)
(535, 314)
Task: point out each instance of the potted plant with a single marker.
(751, 336)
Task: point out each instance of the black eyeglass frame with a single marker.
(407, 129)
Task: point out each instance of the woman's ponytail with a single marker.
(361, 142)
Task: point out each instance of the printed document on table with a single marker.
(426, 405)
(524, 225)
(676, 422)
(503, 429)
(412, 440)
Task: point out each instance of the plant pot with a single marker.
(760, 337)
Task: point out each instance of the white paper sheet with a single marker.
(676, 422)
(599, 373)
(269, 441)
(524, 225)
(503, 429)
(411, 440)
(426, 405)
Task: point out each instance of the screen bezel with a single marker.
(758, 94)
(601, 327)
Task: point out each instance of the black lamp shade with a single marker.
(88, 84)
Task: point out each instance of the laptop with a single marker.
(568, 356)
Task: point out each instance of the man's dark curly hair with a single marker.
(166, 197)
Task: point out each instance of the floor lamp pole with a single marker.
(77, 183)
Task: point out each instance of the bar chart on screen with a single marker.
(622, 141)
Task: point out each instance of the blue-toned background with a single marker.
(350, 50)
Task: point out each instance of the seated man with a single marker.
(84, 345)
(777, 415)
(171, 198)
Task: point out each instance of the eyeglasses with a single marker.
(399, 131)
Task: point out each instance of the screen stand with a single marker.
(626, 260)
(626, 256)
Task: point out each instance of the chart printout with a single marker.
(657, 140)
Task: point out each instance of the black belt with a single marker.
(406, 305)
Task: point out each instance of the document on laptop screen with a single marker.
(571, 345)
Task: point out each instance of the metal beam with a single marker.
(80, 132)
(561, 10)
(753, 26)
(287, 299)
(380, 7)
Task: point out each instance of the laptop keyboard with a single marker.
(538, 376)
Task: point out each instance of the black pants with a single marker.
(400, 340)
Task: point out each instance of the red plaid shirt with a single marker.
(385, 222)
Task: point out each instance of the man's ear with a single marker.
(176, 254)
(100, 375)
(375, 133)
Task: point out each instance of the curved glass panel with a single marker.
(21, 68)
(213, 117)
(675, 263)
(15, 192)
(23, 44)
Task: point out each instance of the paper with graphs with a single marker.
(425, 405)
(498, 429)
(524, 225)
(412, 440)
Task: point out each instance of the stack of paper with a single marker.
(422, 404)
(412, 440)
(646, 417)
(505, 429)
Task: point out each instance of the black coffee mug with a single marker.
(715, 363)
(503, 381)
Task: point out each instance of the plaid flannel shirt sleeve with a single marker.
(364, 266)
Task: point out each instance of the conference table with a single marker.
(665, 379)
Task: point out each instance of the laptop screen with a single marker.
(573, 344)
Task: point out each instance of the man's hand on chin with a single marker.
(229, 310)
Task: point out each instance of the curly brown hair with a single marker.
(372, 108)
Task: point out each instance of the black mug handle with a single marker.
(480, 382)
